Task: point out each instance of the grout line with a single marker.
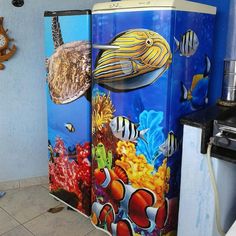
(12, 218)
(11, 215)
(28, 229)
(21, 223)
(89, 232)
(9, 230)
(43, 185)
(17, 227)
(37, 216)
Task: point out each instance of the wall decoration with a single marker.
(5, 51)
(17, 3)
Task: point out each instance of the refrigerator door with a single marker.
(150, 66)
(68, 62)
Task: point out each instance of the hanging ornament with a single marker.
(17, 3)
(5, 51)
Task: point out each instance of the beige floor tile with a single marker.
(97, 232)
(6, 222)
(46, 186)
(18, 231)
(27, 203)
(33, 181)
(60, 224)
(9, 185)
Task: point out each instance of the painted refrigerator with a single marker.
(68, 63)
(151, 63)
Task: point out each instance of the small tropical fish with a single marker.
(188, 43)
(197, 94)
(104, 176)
(70, 127)
(124, 129)
(170, 146)
(130, 54)
(50, 148)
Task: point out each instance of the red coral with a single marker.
(60, 148)
(71, 175)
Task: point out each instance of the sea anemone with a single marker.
(102, 113)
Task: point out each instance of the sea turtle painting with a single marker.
(69, 67)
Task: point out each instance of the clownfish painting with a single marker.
(104, 215)
(137, 203)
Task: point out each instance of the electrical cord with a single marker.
(215, 190)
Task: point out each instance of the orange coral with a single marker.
(141, 174)
(102, 113)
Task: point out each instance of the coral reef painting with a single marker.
(155, 136)
(124, 174)
(102, 111)
(146, 75)
(68, 64)
(71, 175)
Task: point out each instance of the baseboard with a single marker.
(22, 183)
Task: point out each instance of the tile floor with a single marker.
(23, 212)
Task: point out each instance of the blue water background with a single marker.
(73, 28)
(165, 94)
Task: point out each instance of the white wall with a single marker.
(197, 210)
(23, 127)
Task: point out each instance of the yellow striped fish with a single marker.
(131, 54)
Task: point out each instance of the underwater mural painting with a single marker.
(68, 63)
(141, 88)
